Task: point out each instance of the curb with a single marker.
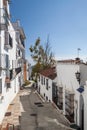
(39, 96)
(60, 112)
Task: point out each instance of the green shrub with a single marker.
(27, 82)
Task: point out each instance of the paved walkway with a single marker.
(13, 113)
(34, 114)
(38, 115)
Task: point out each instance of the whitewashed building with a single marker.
(10, 68)
(20, 50)
(47, 84)
(72, 93)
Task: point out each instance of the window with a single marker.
(47, 84)
(0, 86)
(44, 94)
(8, 85)
(7, 61)
(19, 53)
(39, 78)
(46, 98)
(10, 41)
(44, 80)
(0, 72)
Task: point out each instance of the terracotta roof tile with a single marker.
(50, 73)
(76, 61)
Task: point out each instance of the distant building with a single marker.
(47, 84)
(26, 70)
(72, 94)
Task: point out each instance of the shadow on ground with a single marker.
(37, 115)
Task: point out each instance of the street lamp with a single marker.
(78, 49)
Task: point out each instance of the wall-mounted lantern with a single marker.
(78, 76)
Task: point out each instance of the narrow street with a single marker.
(38, 115)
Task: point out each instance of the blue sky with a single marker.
(64, 20)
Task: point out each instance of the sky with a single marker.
(65, 21)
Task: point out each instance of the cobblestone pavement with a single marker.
(38, 115)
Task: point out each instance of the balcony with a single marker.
(21, 44)
(18, 70)
(14, 72)
(8, 40)
(20, 40)
(4, 22)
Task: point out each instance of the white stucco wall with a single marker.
(85, 106)
(8, 94)
(67, 79)
(43, 89)
(12, 51)
(83, 70)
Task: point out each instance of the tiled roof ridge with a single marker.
(77, 60)
(49, 72)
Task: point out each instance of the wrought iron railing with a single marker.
(8, 40)
(3, 18)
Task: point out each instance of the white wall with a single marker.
(10, 93)
(83, 70)
(84, 94)
(67, 79)
(12, 51)
(66, 76)
(43, 89)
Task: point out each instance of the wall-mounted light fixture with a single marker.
(78, 76)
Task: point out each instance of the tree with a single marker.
(36, 51)
(49, 56)
(35, 70)
(42, 55)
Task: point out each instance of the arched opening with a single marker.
(81, 112)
